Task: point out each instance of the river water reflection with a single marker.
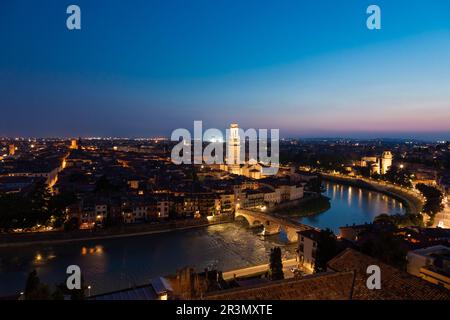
(119, 263)
(352, 205)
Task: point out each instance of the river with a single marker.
(113, 264)
(352, 205)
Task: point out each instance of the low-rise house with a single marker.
(395, 284)
(431, 264)
(352, 233)
(290, 192)
(89, 212)
(307, 248)
(162, 208)
(227, 202)
(202, 204)
(253, 198)
(139, 213)
(128, 215)
(272, 197)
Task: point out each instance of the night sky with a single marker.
(142, 68)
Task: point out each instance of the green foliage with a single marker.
(308, 208)
(326, 249)
(386, 247)
(34, 289)
(38, 207)
(433, 196)
(398, 176)
(315, 185)
(376, 176)
(276, 264)
(58, 294)
(71, 224)
(401, 220)
(78, 294)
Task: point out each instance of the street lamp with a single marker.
(89, 291)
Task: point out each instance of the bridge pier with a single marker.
(271, 228)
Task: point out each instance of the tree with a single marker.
(400, 220)
(40, 199)
(58, 204)
(58, 294)
(376, 176)
(39, 206)
(78, 294)
(315, 185)
(276, 264)
(384, 218)
(326, 249)
(14, 209)
(38, 202)
(62, 291)
(34, 289)
(398, 176)
(71, 224)
(386, 247)
(433, 196)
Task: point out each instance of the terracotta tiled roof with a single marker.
(327, 286)
(395, 284)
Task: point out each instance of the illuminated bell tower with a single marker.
(386, 161)
(74, 144)
(234, 149)
(12, 149)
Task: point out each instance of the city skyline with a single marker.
(309, 69)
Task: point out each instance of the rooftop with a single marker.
(329, 286)
(395, 284)
(145, 292)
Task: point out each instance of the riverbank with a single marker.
(413, 202)
(59, 237)
(310, 207)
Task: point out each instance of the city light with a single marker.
(278, 150)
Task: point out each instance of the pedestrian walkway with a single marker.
(255, 270)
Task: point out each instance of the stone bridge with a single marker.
(272, 223)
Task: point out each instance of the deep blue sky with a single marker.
(146, 67)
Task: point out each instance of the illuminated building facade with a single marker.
(74, 144)
(12, 149)
(386, 161)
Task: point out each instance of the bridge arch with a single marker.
(272, 224)
(243, 219)
(257, 223)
